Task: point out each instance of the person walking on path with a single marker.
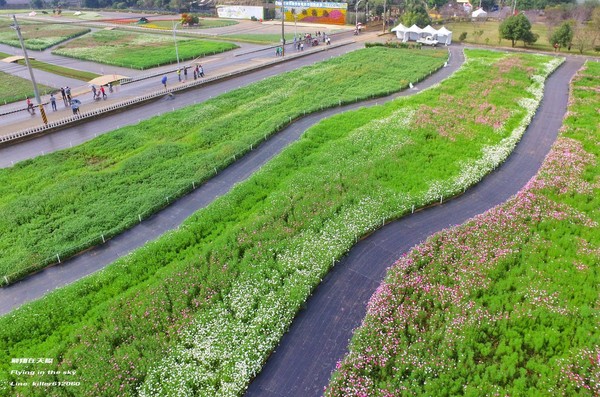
(75, 106)
(94, 91)
(200, 71)
(68, 92)
(53, 102)
(164, 81)
(64, 96)
(185, 73)
(179, 75)
(103, 92)
(30, 108)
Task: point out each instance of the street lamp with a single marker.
(356, 12)
(295, 24)
(35, 87)
(282, 29)
(384, 15)
(175, 39)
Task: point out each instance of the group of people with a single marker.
(198, 72)
(311, 40)
(68, 100)
(99, 93)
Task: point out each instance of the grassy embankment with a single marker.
(101, 187)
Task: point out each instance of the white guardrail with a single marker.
(19, 135)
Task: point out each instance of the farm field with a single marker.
(14, 89)
(490, 36)
(138, 50)
(38, 36)
(198, 311)
(131, 171)
(506, 304)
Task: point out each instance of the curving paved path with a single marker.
(171, 217)
(318, 338)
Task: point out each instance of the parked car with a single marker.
(429, 40)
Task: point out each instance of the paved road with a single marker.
(92, 260)
(247, 54)
(318, 338)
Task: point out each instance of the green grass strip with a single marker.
(14, 89)
(38, 36)
(506, 304)
(198, 311)
(138, 50)
(61, 70)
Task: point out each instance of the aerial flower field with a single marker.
(198, 311)
(506, 304)
(104, 186)
(38, 36)
(138, 50)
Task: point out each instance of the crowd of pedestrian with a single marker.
(197, 73)
(311, 40)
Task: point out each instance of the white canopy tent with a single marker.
(479, 14)
(429, 31)
(400, 30)
(414, 33)
(444, 36)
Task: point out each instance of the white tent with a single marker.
(429, 31)
(444, 35)
(479, 14)
(413, 33)
(400, 30)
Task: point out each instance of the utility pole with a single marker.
(384, 15)
(282, 28)
(175, 39)
(35, 88)
(356, 13)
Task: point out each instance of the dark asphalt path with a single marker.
(171, 217)
(319, 335)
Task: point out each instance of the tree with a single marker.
(563, 36)
(517, 27)
(415, 13)
(583, 38)
(2, 3)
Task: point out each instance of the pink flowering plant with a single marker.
(506, 304)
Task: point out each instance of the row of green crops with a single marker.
(138, 50)
(65, 202)
(198, 311)
(506, 304)
(14, 88)
(38, 36)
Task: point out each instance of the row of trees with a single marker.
(581, 30)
